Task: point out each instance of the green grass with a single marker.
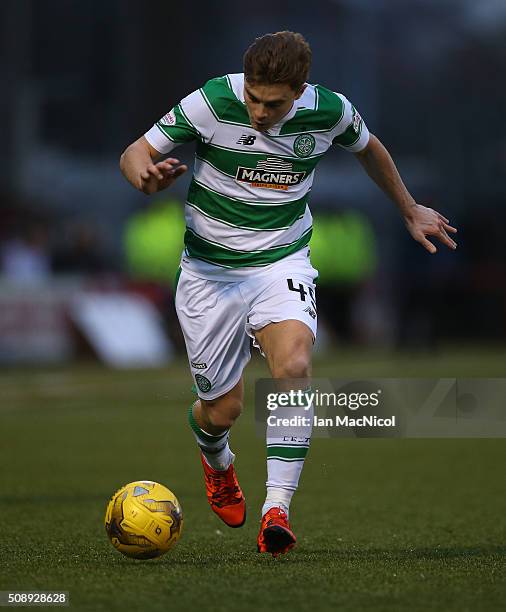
(381, 524)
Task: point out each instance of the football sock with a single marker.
(215, 449)
(278, 497)
(285, 460)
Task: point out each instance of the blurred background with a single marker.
(87, 263)
(86, 274)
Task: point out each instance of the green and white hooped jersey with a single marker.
(247, 204)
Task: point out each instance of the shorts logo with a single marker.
(304, 145)
(310, 312)
(169, 119)
(271, 173)
(203, 383)
(198, 366)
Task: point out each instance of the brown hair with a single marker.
(283, 57)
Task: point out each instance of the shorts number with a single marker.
(300, 289)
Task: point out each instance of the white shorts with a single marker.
(219, 317)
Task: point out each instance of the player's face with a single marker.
(268, 104)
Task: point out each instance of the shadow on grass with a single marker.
(330, 556)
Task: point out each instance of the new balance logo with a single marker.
(198, 366)
(246, 140)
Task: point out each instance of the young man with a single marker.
(245, 270)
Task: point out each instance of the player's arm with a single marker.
(189, 120)
(420, 220)
(140, 166)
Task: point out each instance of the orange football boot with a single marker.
(224, 494)
(275, 535)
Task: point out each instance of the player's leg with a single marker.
(212, 315)
(283, 322)
(211, 421)
(287, 346)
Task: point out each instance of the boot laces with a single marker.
(225, 490)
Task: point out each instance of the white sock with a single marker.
(285, 460)
(277, 497)
(221, 460)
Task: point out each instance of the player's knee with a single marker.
(222, 413)
(294, 366)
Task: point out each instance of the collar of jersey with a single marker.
(237, 82)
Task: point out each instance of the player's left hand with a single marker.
(423, 221)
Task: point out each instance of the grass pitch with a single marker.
(381, 524)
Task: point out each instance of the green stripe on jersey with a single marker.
(228, 160)
(227, 108)
(287, 452)
(328, 114)
(349, 137)
(243, 214)
(223, 103)
(217, 254)
(182, 130)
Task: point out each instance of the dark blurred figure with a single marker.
(81, 252)
(25, 255)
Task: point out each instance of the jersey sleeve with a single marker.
(351, 132)
(190, 120)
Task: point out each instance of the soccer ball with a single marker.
(143, 520)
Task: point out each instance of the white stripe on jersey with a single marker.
(234, 237)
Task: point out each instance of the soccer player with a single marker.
(245, 270)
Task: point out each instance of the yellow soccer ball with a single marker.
(143, 520)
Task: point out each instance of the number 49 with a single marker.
(302, 292)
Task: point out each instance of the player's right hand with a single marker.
(161, 175)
